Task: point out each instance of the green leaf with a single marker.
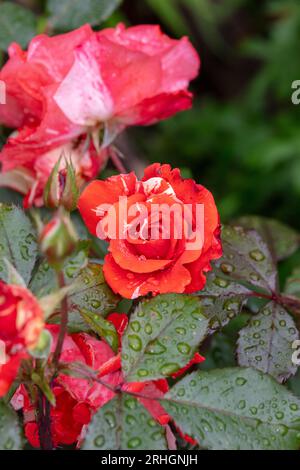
(92, 294)
(17, 24)
(102, 327)
(70, 14)
(44, 279)
(284, 240)
(10, 436)
(235, 408)
(124, 424)
(13, 277)
(246, 259)
(43, 347)
(162, 336)
(42, 382)
(222, 346)
(292, 286)
(221, 299)
(51, 302)
(266, 342)
(17, 242)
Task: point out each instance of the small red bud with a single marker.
(61, 188)
(58, 238)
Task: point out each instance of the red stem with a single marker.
(63, 322)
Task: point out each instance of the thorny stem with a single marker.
(115, 389)
(115, 158)
(44, 422)
(44, 406)
(63, 323)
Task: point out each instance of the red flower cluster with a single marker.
(135, 265)
(65, 91)
(77, 399)
(21, 322)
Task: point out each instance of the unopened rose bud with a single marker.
(62, 188)
(58, 238)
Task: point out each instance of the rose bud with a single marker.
(61, 188)
(58, 238)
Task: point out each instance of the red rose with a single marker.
(21, 322)
(78, 399)
(172, 262)
(65, 89)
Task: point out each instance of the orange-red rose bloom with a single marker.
(65, 89)
(21, 322)
(136, 266)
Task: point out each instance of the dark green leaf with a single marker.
(44, 279)
(266, 342)
(282, 239)
(92, 294)
(17, 24)
(70, 14)
(246, 259)
(10, 435)
(222, 299)
(17, 242)
(162, 336)
(102, 327)
(43, 347)
(124, 424)
(235, 408)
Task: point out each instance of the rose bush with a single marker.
(21, 322)
(136, 266)
(65, 91)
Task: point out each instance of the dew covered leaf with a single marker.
(104, 328)
(222, 299)
(92, 294)
(235, 409)
(44, 279)
(87, 11)
(281, 238)
(10, 436)
(124, 424)
(266, 342)
(17, 242)
(222, 345)
(17, 24)
(246, 259)
(162, 336)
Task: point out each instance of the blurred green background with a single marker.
(241, 139)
